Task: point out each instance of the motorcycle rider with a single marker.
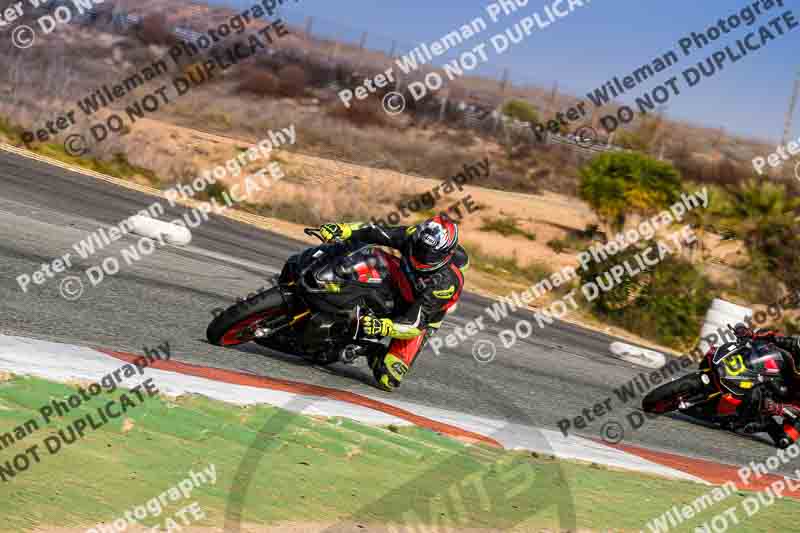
(763, 409)
(429, 280)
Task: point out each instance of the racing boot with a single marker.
(787, 432)
(388, 371)
(784, 434)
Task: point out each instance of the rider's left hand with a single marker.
(376, 327)
(331, 232)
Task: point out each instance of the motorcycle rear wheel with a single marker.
(234, 325)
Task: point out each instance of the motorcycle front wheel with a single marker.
(236, 325)
(667, 397)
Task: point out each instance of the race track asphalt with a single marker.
(168, 296)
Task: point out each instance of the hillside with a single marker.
(354, 165)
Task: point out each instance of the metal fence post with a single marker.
(504, 82)
(309, 26)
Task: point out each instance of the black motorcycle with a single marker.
(314, 310)
(726, 374)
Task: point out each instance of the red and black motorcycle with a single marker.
(728, 374)
(314, 309)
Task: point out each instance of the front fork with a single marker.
(292, 314)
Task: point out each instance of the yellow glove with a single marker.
(376, 327)
(331, 232)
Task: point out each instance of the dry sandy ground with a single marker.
(336, 187)
(331, 187)
(328, 185)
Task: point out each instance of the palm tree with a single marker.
(765, 216)
(755, 208)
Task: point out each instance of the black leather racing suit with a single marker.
(427, 296)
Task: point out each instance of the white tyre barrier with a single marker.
(709, 329)
(638, 356)
(718, 317)
(729, 308)
(158, 229)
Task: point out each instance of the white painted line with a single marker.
(64, 362)
(545, 441)
(232, 260)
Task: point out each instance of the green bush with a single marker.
(521, 110)
(615, 184)
(779, 243)
(506, 227)
(666, 304)
(791, 326)
(623, 293)
(558, 245)
(671, 309)
(754, 209)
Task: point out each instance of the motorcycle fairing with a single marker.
(337, 277)
(740, 368)
(727, 405)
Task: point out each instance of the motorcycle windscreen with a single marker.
(741, 369)
(365, 265)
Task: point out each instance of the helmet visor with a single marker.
(424, 258)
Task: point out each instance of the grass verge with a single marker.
(118, 166)
(323, 470)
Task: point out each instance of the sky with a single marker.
(603, 39)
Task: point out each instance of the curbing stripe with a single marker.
(229, 376)
(67, 363)
(714, 473)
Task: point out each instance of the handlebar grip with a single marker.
(314, 232)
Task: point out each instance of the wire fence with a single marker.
(341, 57)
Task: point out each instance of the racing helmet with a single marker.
(431, 244)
